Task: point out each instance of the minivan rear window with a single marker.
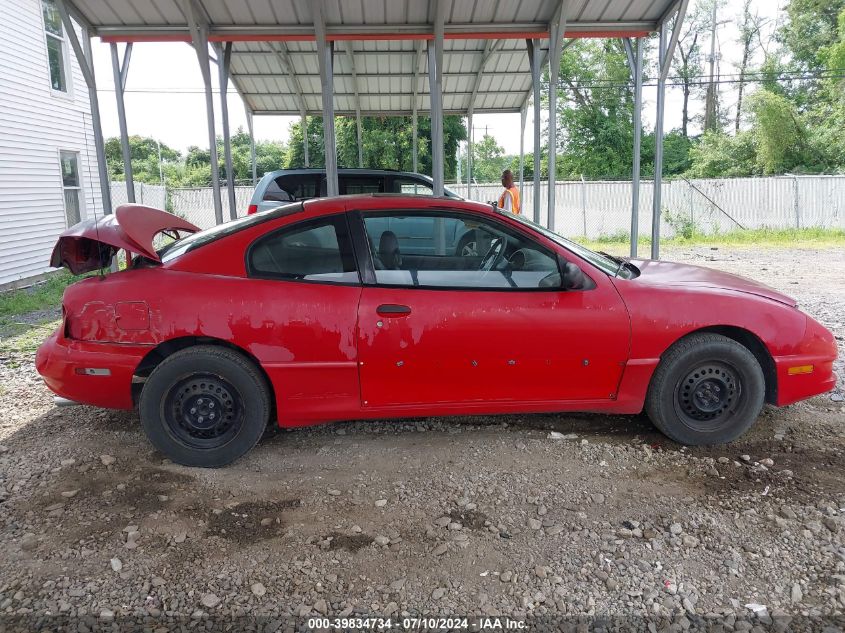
(291, 187)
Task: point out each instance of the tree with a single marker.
(687, 64)
(387, 143)
(489, 160)
(749, 30)
(144, 153)
(780, 135)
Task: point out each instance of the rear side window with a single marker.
(412, 186)
(291, 187)
(361, 184)
(317, 250)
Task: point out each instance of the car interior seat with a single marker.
(388, 251)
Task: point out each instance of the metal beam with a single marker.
(556, 31)
(469, 154)
(435, 82)
(303, 123)
(394, 31)
(199, 40)
(224, 58)
(414, 104)
(252, 161)
(635, 64)
(358, 129)
(120, 72)
(523, 118)
(325, 57)
(283, 55)
(82, 51)
(534, 61)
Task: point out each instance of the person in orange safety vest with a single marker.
(509, 200)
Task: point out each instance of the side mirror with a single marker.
(573, 277)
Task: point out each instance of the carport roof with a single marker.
(379, 46)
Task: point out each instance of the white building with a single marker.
(48, 160)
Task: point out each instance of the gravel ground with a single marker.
(472, 516)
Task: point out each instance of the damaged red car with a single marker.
(391, 306)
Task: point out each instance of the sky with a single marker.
(165, 97)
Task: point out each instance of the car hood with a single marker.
(673, 274)
(91, 244)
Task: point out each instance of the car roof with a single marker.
(393, 201)
(360, 171)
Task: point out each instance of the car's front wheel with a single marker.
(205, 406)
(707, 389)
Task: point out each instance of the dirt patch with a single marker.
(349, 542)
(472, 519)
(251, 521)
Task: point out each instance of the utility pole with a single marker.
(710, 114)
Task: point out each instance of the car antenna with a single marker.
(94, 207)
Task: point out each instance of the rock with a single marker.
(397, 585)
(796, 595)
(506, 576)
(442, 521)
(67, 462)
(534, 524)
(745, 458)
(266, 521)
(29, 542)
(438, 593)
(107, 615)
(381, 503)
(689, 541)
(107, 460)
(116, 564)
(767, 462)
(554, 529)
(69, 494)
(382, 540)
(321, 606)
(611, 584)
(837, 397)
(554, 435)
(334, 492)
(540, 571)
(209, 600)
(676, 528)
(258, 589)
(180, 537)
(440, 549)
(723, 460)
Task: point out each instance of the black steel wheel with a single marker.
(707, 389)
(205, 406)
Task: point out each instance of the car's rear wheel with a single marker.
(707, 389)
(205, 406)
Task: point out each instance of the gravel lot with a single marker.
(483, 515)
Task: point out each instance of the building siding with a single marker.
(35, 125)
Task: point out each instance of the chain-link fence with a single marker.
(596, 209)
(149, 195)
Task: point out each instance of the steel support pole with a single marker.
(534, 57)
(325, 58)
(224, 58)
(469, 155)
(523, 117)
(250, 125)
(635, 62)
(556, 31)
(414, 140)
(119, 71)
(82, 51)
(414, 106)
(304, 125)
(658, 148)
(436, 122)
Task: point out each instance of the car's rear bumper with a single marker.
(98, 374)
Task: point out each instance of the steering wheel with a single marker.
(494, 255)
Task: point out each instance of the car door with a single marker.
(444, 328)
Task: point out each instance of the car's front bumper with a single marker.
(98, 374)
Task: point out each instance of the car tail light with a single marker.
(253, 208)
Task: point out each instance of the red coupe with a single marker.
(391, 306)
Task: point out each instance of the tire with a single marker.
(707, 389)
(468, 246)
(182, 401)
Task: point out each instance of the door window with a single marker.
(318, 250)
(436, 250)
(360, 184)
(411, 186)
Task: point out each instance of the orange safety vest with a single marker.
(514, 199)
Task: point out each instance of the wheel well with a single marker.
(752, 343)
(167, 348)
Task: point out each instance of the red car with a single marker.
(362, 307)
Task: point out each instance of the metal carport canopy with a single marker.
(384, 57)
(385, 36)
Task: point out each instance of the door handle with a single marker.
(392, 310)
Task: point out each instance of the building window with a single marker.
(71, 186)
(56, 46)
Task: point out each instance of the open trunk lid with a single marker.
(91, 244)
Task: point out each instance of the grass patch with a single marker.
(813, 237)
(24, 339)
(41, 296)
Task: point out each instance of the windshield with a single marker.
(602, 262)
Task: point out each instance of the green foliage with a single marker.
(387, 143)
(718, 155)
(42, 296)
(780, 135)
(489, 161)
